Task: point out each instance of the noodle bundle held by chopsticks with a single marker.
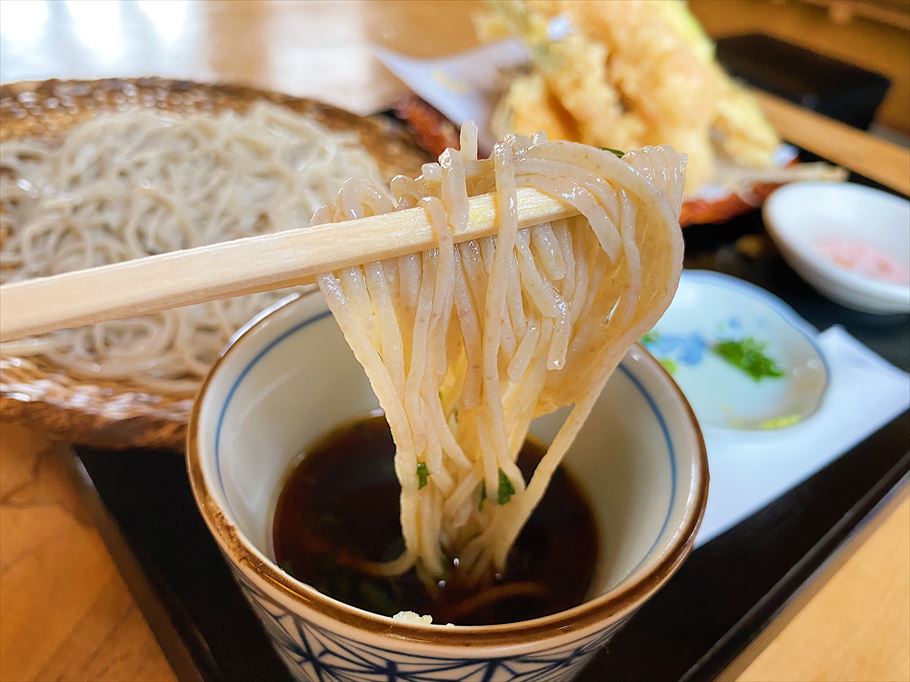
(466, 344)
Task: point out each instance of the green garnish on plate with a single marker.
(749, 355)
(669, 364)
(780, 422)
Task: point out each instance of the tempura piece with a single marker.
(745, 134)
(633, 72)
(529, 104)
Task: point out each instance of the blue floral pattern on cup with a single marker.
(319, 640)
(314, 653)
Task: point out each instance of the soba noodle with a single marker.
(465, 344)
(131, 184)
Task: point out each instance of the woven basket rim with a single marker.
(121, 414)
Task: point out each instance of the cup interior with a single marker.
(292, 377)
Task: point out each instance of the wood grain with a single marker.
(64, 611)
(862, 611)
(861, 41)
(872, 157)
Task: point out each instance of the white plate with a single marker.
(710, 308)
(799, 215)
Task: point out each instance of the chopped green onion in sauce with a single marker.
(423, 475)
(506, 489)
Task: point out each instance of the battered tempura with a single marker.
(631, 73)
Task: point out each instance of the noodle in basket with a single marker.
(132, 184)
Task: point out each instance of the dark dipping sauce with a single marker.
(340, 505)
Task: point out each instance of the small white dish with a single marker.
(712, 312)
(800, 215)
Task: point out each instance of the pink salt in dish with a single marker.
(848, 241)
(863, 259)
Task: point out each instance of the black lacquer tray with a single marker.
(696, 627)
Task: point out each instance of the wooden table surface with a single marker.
(65, 613)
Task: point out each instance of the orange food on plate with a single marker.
(628, 73)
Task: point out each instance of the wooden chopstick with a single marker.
(242, 266)
(873, 157)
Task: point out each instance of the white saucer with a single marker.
(801, 214)
(711, 308)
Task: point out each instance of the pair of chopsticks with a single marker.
(241, 266)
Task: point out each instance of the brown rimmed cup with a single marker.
(289, 376)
